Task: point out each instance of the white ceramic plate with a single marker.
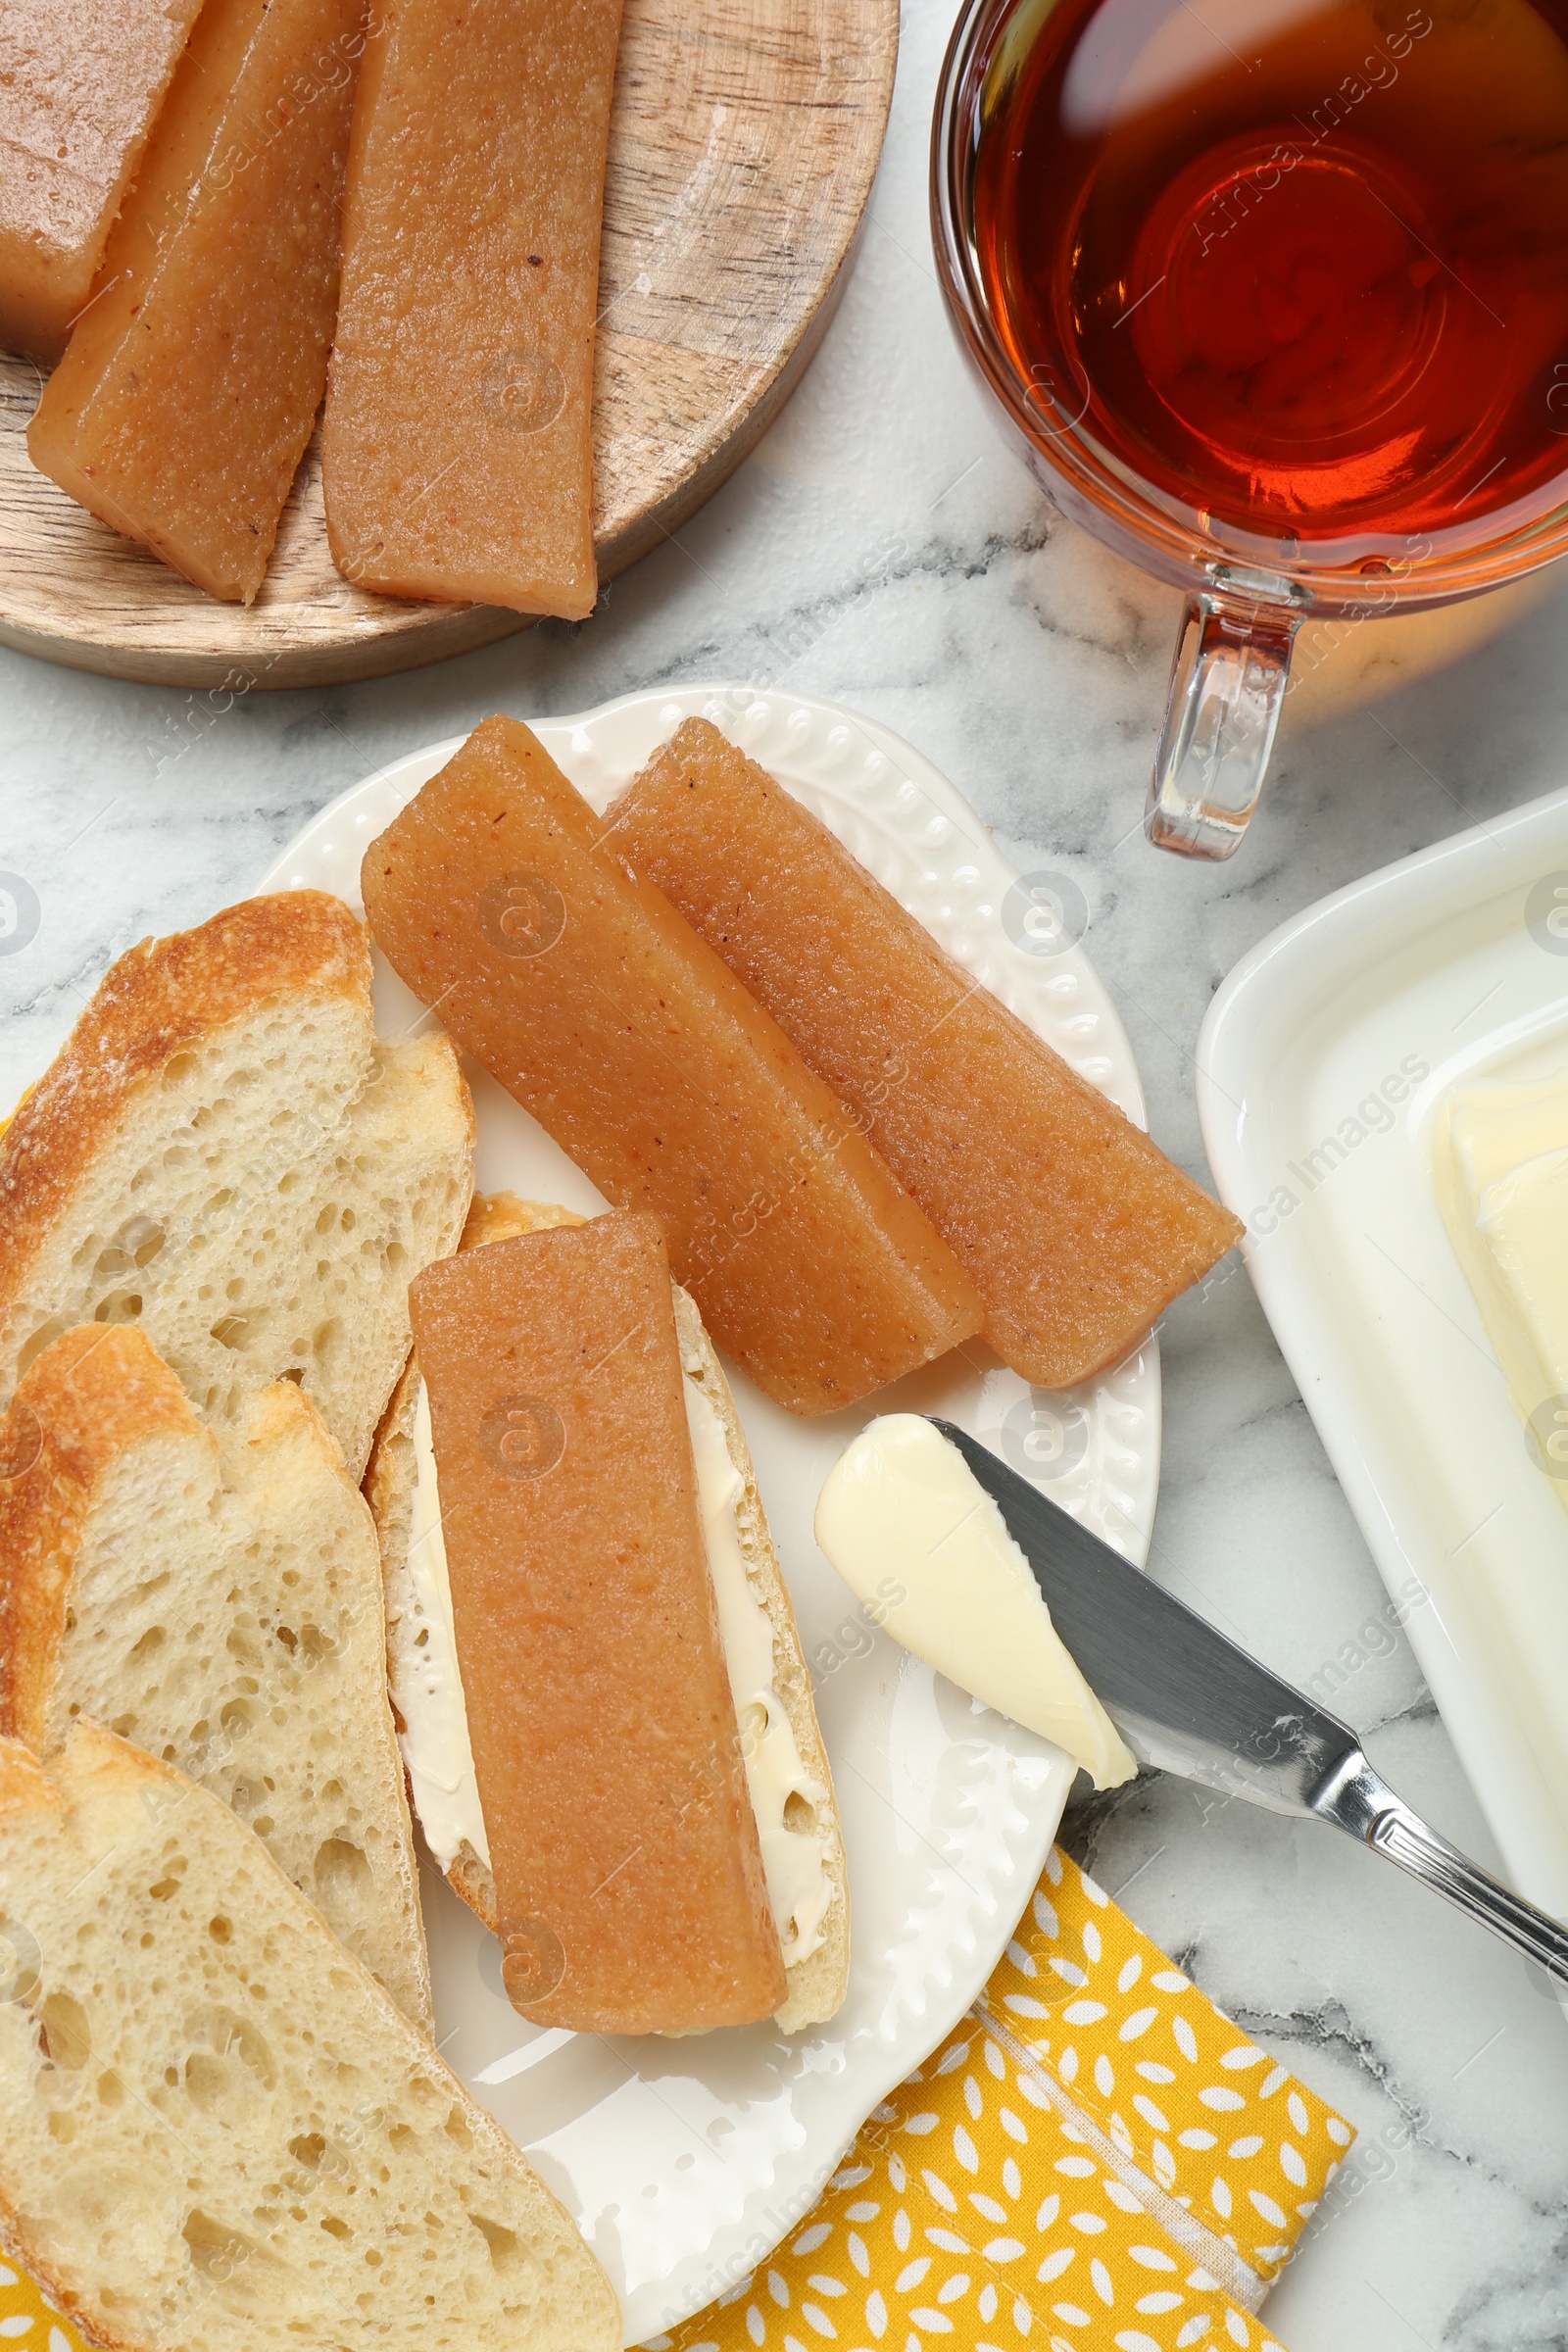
(1448, 966)
(685, 2162)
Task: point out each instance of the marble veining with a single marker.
(882, 547)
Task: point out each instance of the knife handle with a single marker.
(1357, 1800)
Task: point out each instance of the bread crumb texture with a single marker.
(231, 1625)
(225, 1154)
(216, 2134)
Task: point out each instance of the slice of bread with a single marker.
(816, 1984)
(216, 2133)
(224, 1154)
(223, 1610)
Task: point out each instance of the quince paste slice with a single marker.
(457, 461)
(504, 904)
(1074, 1227)
(80, 86)
(184, 402)
(630, 1897)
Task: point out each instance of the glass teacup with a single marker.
(1108, 373)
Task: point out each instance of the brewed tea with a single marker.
(1301, 265)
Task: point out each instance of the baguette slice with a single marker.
(223, 1153)
(627, 1861)
(818, 1983)
(233, 1626)
(216, 2133)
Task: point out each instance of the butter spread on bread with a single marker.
(630, 1885)
(799, 1890)
(427, 1683)
(787, 1774)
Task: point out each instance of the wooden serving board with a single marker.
(743, 146)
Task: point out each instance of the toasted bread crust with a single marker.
(473, 1879)
(388, 1486)
(96, 1389)
(25, 1785)
(158, 999)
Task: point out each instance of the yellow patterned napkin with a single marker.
(1095, 2160)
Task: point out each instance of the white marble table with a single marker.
(882, 547)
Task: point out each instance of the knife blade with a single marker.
(1191, 1702)
(1185, 1699)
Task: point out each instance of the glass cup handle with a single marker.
(1227, 683)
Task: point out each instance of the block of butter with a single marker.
(1500, 1169)
(923, 1547)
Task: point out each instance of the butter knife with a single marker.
(1188, 1701)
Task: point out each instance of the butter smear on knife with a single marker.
(902, 1513)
